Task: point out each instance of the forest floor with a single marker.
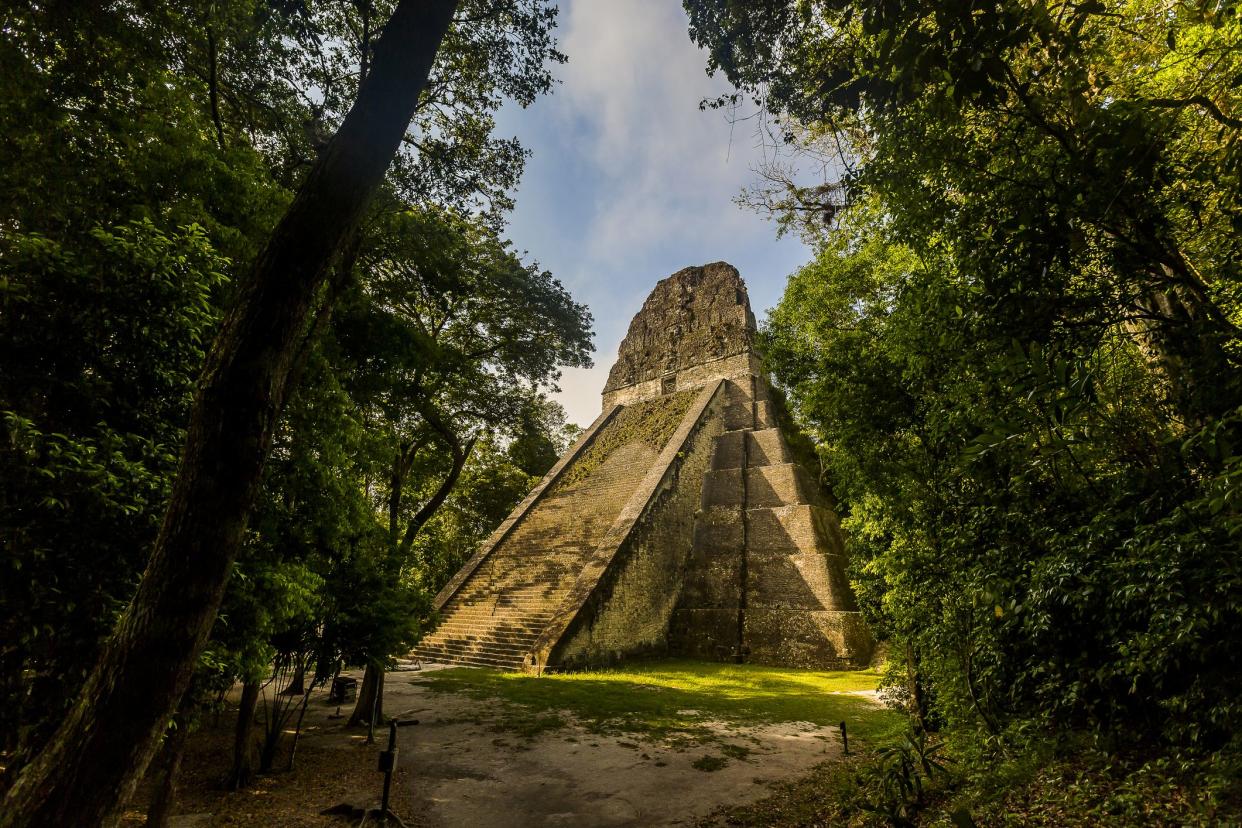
(663, 743)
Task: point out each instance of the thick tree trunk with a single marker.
(914, 685)
(1189, 348)
(164, 797)
(370, 697)
(298, 685)
(89, 768)
(243, 738)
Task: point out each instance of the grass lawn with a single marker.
(661, 698)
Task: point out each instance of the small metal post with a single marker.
(845, 740)
(390, 766)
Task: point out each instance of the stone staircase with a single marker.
(765, 576)
(495, 617)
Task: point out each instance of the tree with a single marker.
(1025, 284)
(448, 337)
(1042, 140)
(96, 757)
(95, 402)
(204, 118)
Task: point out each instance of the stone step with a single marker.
(514, 622)
(481, 637)
(484, 611)
(722, 487)
(727, 451)
(534, 613)
(485, 590)
(479, 631)
(787, 484)
(493, 604)
(477, 648)
(527, 576)
(511, 621)
(467, 661)
(785, 528)
(765, 415)
(750, 447)
(718, 529)
(797, 580)
(766, 447)
(738, 415)
(492, 656)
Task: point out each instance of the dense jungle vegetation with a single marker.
(153, 157)
(1018, 349)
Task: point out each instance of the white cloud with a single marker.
(634, 84)
(630, 180)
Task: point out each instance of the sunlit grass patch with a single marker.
(668, 697)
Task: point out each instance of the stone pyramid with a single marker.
(680, 523)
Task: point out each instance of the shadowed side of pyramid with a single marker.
(680, 522)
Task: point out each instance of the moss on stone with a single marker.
(652, 422)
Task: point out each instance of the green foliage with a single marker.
(1028, 522)
(1018, 346)
(148, 151)
(94, 399)
(895, 784)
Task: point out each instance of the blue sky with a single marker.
(630, 182)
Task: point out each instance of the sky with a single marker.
(629, 181)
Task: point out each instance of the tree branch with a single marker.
(1202, 101)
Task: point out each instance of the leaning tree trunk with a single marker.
(89, 768)
(243, 738)
(159, 809)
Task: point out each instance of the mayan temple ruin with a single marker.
(680, 523)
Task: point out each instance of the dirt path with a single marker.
(468, 767)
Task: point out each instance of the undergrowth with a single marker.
(926, 782)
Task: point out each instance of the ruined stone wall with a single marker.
(737, 366)
(692, 321)
(628, 611)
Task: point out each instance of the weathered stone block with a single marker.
(765, 415)
(709, 634)
(806, 639)
(766, 447)
(713, 578)
(719, 527)
(801, 527)
(781, 485)
(801, 580)
(695, 317)
(722, 487)
(730, 450)
(740, 415)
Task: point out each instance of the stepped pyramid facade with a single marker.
(680, 523)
